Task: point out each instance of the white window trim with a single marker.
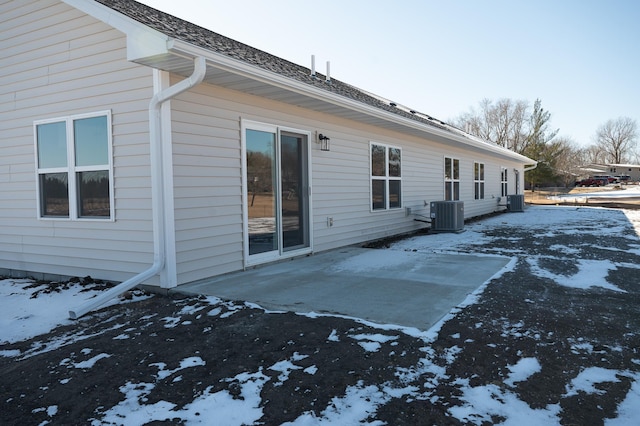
(386, 178)
(452, 180)
(71, 169)
(479, 180)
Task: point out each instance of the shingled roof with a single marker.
(185, 31)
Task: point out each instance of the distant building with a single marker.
(631, 170)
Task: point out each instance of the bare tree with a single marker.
(594, 154)
(503, 122)
(568, 160)
(617, 139)
(520, 128)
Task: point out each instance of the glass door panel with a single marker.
(261, 191)
(276, 193)
(294, 191)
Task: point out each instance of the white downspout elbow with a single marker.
(157, 190)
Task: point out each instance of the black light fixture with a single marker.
(325, 142)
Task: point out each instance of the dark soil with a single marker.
(518, 315)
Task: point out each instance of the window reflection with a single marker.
(394, 162)
(52, 145)
(93, 188)
(378, 194)
(54, 188)
(261, 168)
(91, 141)
(378, 160)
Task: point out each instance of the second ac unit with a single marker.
(447, 216)
(515, 203)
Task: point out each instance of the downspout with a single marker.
(157, 190)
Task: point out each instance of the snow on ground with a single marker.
(629, 192)
(24, 317)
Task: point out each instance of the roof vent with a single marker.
(313, 66)
(328, 78)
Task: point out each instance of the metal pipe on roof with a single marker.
(157, 189)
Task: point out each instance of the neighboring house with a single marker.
(132, 141)
(631, 170)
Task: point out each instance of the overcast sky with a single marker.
(580, 57)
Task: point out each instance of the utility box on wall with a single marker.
(515, 203)
(447, 216)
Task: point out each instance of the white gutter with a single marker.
(526, 169)
(157, 190)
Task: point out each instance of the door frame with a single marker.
(256, 259)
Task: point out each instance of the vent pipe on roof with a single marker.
(157, 190)
(328, 79)
(313, 66)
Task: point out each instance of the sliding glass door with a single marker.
(276, 192)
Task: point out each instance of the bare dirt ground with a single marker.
(518, 315)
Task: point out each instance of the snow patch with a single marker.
(522, 370)
(588, 378)
(91, 362)
(591, 273)
(205, 407)
(194, 361)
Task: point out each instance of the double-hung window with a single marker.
(503, 181)
(451, 179)
(73, 163)
(386, 177)
(478, 181)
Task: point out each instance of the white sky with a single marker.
(580, 57)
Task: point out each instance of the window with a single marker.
(451, 179)
(386, 177)
(73, 162)
(503, 181)
(478, 181)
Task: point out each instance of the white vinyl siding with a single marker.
(58, 62)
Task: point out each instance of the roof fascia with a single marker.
(142, 41)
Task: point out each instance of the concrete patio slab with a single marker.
(384, 286)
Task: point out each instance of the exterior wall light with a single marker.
(325, 142)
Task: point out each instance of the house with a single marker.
(133, 142)
(630, 172)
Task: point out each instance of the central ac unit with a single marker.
(515, 203)
(447, 216)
